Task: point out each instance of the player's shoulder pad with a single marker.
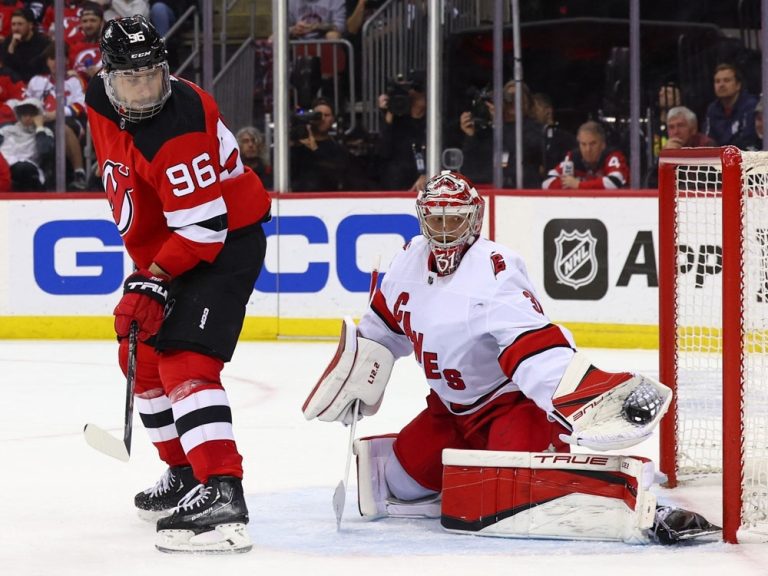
(499, 260)
(183, 113)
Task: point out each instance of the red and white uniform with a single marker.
(478, 333)
(177, 187)
(43, 87)
(482, 338)
(610, 172)
(175, 182)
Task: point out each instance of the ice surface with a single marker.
(67, 510)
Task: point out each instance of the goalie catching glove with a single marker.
(360, 370)
(607, 410)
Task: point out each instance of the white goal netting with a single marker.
(698, 307)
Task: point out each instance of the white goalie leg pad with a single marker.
(548, 495)
(360, 370)
(374, 498)
(607, 410)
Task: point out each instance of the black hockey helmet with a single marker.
(136, 75)
(131, 43)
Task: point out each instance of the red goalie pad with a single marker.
(547, 495)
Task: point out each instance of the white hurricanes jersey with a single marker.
(477, 333)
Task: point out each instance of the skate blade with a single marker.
(224, 539)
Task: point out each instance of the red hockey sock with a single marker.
(201, 412)
(152, 404)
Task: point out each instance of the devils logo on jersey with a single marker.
(118, 186)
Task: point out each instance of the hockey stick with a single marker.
(340, 494)
(100, 439)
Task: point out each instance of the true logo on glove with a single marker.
(156, 288)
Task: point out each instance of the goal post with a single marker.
(713, 322)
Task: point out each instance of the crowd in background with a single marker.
(323, 155)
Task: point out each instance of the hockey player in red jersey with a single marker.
(509, 392)
(190, 216)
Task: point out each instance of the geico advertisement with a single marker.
(68, 259)
(592, 259)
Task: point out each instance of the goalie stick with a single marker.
(340, 494)
(100, 439)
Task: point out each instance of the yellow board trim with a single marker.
(587, 335)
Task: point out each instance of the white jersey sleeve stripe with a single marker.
(196, 214)
(202, 235)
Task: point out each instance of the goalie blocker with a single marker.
(359, 370)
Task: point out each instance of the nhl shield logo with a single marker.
(575, 258)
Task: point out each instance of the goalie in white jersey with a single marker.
(508, 389)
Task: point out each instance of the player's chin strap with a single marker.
(607, 410)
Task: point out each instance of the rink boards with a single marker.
(592, 257)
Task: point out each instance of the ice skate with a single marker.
(160, 500)
(210, 519)
(675, 525)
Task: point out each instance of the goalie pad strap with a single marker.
(359, 370)
(547, 495)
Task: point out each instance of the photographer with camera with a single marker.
(318, 161)
(477, 123)
(403, 140)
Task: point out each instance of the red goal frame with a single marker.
(730, 160)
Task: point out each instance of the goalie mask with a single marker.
(450, 215)
(136, 76)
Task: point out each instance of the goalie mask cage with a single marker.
(713, 326)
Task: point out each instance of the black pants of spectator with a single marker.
(25, 177)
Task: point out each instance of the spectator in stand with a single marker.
(85, 51)
(311, 19)
(5, 175)
(590, 166)
(28, 146)
(683, 130)
(71, 20)
(23, 50)
(667, 98)
(7, 8)
(402, 143)
(318, 161)
(11, 88)
(478, 140)
(754, 144)
(124, 8)
(557, 142)
(43, 88)
(731, 115)
(164, 13)
(254, 153)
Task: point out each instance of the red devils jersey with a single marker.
(611, 171)
(477, 333)
(175, 182)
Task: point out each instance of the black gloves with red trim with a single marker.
(144, 298)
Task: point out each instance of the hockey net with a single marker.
(713, 326)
